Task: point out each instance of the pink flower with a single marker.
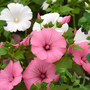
(79, 55)
(38, 71)
(66, 19)
(26, 41)
(10, 76)
(48, 45)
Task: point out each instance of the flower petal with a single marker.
(17, 69)
(15, 9)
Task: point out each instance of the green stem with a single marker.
(25, 33)
(74, 21)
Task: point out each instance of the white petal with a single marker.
(11, 26)
(45, 5)
(15, 9)
(63, 29)
(6, 15)
(80, 37)
(23, 25)
(25, 13)
(50, 17)
(36, 26)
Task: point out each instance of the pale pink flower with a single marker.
(79, 55)
(38, 71)
(48, 45)
(66, 19)
(10, 76)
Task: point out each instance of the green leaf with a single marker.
(48, 9)
(2, 22)
(88, 57)
(70, 88)
(68, 73)
(73, 78)
(64, 62)
(22, 2)
(77, 81)
(76, 10)
(19, 55)
(33, 87)
(77, 47)
(60, 87)
(87, 86)
(64, 10)
(77, 69)
(3, 50)
(61, 70)
(88, 38)
(39, 2)
(6, 33)
(87, 16)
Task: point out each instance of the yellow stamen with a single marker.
(16, 20)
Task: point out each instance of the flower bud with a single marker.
(66, 19)
(86, 4)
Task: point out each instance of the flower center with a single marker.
(16, 20)
(11, 79)
(47, 47)
(84, 59)
(43, 76)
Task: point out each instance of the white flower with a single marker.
(51, 17)
(17, 17)
(45, 5)
(80, 36)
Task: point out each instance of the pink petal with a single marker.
(17, 69)
(31, 81)
(57, 77)
(37, 39)
(39, 52)
(77, 56)
(86, 66)
(66, 19)
(31, 71)
(51, 69)
(41, 65)
(16, 80)
(9, 69)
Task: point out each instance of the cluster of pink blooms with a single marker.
(49, 46)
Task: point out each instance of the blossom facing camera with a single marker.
(39, 71)
(10, 76)
(17, 17)
(48, 45)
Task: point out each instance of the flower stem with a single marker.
(74, 20)
(25, 33)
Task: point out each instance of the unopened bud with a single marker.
(86, 4)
